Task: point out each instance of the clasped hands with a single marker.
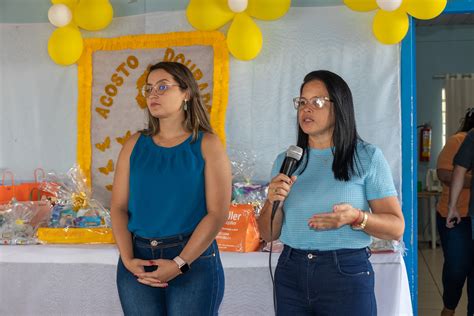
(166, 271)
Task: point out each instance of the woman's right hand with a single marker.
(453, 217)
(279, 187)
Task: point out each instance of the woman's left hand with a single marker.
(342, 214)
(166, 271)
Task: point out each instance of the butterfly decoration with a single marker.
(122, 140)
(108, 168)
(103, 146)
(109, 187)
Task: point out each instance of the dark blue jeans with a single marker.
(332, 283)
(197, 292)
(458, 249)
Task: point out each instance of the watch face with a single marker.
(184, 268)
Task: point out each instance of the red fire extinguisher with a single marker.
(425, 142)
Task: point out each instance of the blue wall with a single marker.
(439, 50)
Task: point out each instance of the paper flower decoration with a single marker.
(244, 38)
(65, 44)
(391, 22)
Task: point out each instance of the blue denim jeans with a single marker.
(458, 249)
(332, 283)
(197, 292)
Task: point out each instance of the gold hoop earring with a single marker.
(185, 106)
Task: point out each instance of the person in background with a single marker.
(455, 239)
(342, 195)
(456, 231)
(171, 196)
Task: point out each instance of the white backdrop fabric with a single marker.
(38, 98)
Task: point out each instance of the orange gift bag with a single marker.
(30, 191)
(240, 232)
(7, 192)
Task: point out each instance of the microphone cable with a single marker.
(270, 267)
(293, 155)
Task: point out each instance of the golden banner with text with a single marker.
(111, 73)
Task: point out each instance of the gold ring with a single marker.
(275, 190)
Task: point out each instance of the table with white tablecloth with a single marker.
(80, 280)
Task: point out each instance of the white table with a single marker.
(80, 280)
(428, 201)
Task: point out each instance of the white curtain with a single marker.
(459, 97)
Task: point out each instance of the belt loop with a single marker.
(369, 252)
(213, 245)
(334, 255)
(290, 250)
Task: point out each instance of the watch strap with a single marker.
(182, 265)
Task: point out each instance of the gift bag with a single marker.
(7, 192)
(240, 232)
(31, 191)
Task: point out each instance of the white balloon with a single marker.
(237, 6)
(59, 15)
(389, 5)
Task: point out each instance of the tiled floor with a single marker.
(430, 287)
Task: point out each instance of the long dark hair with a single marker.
(345, 136)
(196, 117)
(467, 122)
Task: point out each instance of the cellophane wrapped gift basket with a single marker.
(240, 232)
(19, 221)
(75, 216)
(23, 208)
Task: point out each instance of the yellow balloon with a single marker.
(424, 9)
(244, 38)
(93, 15)
(268, 9)
(65, 45)
(361, 5)
(390, 27)
(208, 15)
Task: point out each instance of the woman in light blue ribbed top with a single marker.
(340, 195)
(170, 198)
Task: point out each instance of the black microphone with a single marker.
(293, 155)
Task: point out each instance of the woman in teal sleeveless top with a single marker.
(170, 198)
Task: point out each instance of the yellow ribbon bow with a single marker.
(79, 200)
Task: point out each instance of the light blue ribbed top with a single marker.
(316, 191)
